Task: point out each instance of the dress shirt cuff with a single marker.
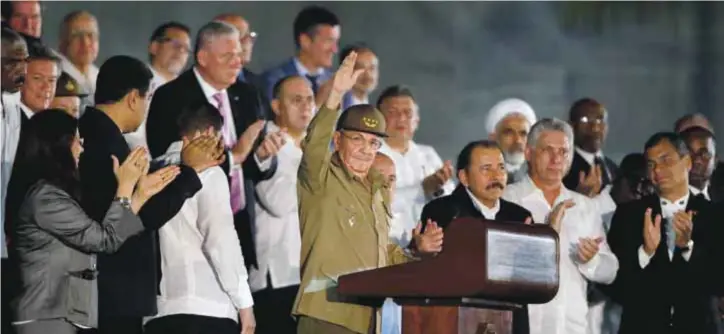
(263, 165)
(589, 268)
(644, 258)
(242, 299)
(686, 254)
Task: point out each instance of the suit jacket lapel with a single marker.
(465, 205)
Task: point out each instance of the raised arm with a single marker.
(316, 153)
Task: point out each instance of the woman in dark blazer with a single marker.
(53, 240)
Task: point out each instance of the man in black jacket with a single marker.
(127, 280)
(669, 249)
(213, 80)
(483, 177)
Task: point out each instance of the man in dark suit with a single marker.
(127, 283)
(668, 246)
(590, 171)
(702, 148)
(482, 175)
(213, 80)
(316, 36)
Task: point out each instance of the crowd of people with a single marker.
(150, 196)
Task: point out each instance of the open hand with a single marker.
(429, 242)
(652, 232)
(590, 185)
(151, 184)
(683, 224)
(246, 141)
(555, 218)
(202, 152)
(588, 248)
(128, 173)
(271, 144)
(346, 75)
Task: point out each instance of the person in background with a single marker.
(14, 65)
(585, 252)
(39, 87)
(68, 94)
(247, 39)
(367, 82)
(168, 53)
(669, 247)
(508, 123)
(632, 183)
(54, 238)
(276, 281)
(316, 37)
(702, 148)
(26, 18)
(204, 285)
(79, 40)
(422, 175)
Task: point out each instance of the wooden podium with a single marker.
(484, 265)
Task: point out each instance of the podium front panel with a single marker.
(521, 259)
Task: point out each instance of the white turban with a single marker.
(505, 108)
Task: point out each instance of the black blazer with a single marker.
(127, 280)
(247, 106)
(580, 165)
(445, 209)
(647, 295)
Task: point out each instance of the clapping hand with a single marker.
(555, 218)
(590, 185)
(652, 232)
(588, 248)
(429, 242)
(683, 224)
(128, 173)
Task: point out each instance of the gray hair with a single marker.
(551, 124)
(211, 31)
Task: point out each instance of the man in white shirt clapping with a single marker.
(276, 228)
(585, 254)
(204, 285)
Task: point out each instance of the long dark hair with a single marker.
(44, 153)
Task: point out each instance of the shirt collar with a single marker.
(410, 148)
(528, 188)
(26, 110)
(209, 91)
(488, 213)
(704, 192)
(303, 71)
(356, 101)
(668, 208)
(589, 157)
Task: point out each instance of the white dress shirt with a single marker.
(138, 137)
(276, 234)
(567, 312)
(412, 167)
(488, 213)
(356, 101)
(10, 135)
(201, 260)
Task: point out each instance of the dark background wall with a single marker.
(649, 63)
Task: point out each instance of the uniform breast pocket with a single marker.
(347, 215)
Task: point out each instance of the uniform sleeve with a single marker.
(316, 154)
(220, 241)
(602, 268)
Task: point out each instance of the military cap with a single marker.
(67, 86)
(363, 118)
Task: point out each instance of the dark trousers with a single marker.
(273, 310)
(10, 285)
(120, 325)
(191, 324)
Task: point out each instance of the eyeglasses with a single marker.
(590, 120)
(175, 44)
(704, 155)
(666, 161)
(249, 37)
(359, 141)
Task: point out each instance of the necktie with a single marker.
(237, 178)
(605, 173)
(670, 234)
(313, 80)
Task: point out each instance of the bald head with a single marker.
(385, 166)
(247, 37)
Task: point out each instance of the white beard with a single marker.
(514, 159)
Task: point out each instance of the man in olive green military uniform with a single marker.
(68, 95)
(344, 212)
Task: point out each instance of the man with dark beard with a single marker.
(483, 178)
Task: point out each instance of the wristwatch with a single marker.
(688, 246)
(124, 202)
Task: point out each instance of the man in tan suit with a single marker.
(344, 212)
